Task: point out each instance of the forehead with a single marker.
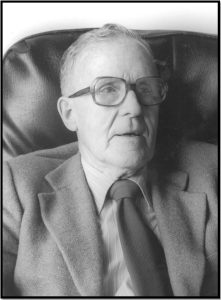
(124, 58)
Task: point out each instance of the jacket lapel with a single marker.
(70, 215)
(181, 217)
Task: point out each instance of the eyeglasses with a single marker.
(111, 91)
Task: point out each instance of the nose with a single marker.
(131, 105)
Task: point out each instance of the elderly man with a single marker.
(101, 218)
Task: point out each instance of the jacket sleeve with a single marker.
(211, 285)
(200, 160)
(12, 215)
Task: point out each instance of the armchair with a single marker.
(31, 88)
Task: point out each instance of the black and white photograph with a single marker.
(109, 149)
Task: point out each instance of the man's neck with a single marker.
(110, 170)
(100, 181)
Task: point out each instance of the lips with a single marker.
(129, 134)
(137, 130)
(132, 133)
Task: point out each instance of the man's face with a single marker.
(123, 136)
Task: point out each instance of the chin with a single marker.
(132, 161)
(131, 152)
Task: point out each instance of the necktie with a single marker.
(144, 255)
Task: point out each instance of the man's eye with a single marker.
(108, 89)
(144, 89)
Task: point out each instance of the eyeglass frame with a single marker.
(129, 86)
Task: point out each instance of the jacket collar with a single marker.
(70, 215)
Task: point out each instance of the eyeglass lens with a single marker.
(111, 91)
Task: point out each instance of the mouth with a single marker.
(130, 134)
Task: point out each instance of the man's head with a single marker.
(121, 136)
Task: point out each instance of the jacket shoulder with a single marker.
(199, 156)
(200, 161)
(42, 159)
(28, 171)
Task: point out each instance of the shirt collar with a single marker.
(99, 183)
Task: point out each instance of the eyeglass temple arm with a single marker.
(80, 93)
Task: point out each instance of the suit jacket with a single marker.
(52, 240)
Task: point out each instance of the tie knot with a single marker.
(124, 189)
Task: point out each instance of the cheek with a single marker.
(151, 119)
(94, 124)
(151, 115)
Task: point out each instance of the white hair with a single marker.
(108, 31)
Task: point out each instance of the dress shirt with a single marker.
(117, 281)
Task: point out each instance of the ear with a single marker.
(66, 111)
